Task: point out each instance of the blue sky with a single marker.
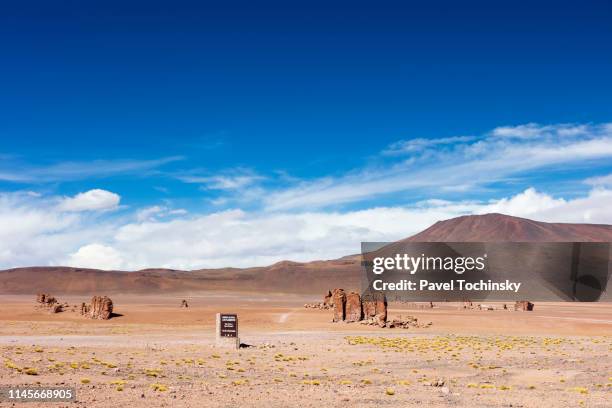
(341, 120)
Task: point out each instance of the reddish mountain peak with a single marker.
(499, 228)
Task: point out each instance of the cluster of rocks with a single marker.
(467, 304)
(45, 299)
(101, 307)
(523, 305)
(50, 303)
(400, 323)
(327, 303)
(416, 305)
(184, 303)
(320, 305)
(438, 382)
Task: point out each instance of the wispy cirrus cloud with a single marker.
(156, 212)
(14, 170)
(531, 130)
(503, 153)
(419, 144)
(232, 179)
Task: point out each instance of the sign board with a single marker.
(229, 325)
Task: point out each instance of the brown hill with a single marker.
(286, 276)
(292, 277)
(504, 228)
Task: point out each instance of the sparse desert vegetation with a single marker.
(308, 361)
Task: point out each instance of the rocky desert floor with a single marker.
(156, 354)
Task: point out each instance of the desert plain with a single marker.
(153, 353)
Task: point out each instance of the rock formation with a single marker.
(184, 303)
(101, 308)
(369, 309)
(353, 311)
(84, 309)
(375, 307)
(45, 300)
(339, 308)
(352, 307)
(328, 300)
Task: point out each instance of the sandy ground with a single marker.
(156, 354)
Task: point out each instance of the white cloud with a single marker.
(600, 180)
(594, 208)
(591, 208)
(34, 232)
(238, 238)
(241, 239)
(92, 200)
(528, 203)
(96, 256)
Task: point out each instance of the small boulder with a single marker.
(523, 305)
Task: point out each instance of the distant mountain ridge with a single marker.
(287, 276)
(504, 228)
